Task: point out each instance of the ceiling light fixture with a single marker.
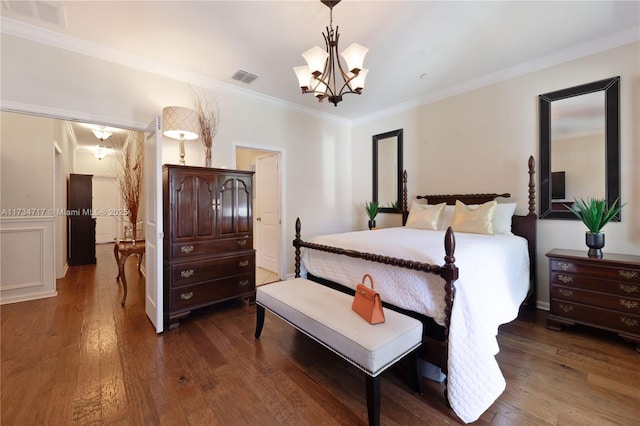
(319, 75)
(101, 152)
(101, 133)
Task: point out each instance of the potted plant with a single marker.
(595, 215)
(372, 211)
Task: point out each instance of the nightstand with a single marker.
(602, 293)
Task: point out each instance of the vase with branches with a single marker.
(129, 154)
(209, 118)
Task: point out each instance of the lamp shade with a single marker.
(316, 58)
(180, 123)
(358, 81)
(304, 76)
(354, 55)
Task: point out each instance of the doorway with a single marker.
(267, 221)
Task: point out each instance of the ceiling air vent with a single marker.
(244, 76)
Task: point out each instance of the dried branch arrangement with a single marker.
(129, 156)
(209, 118)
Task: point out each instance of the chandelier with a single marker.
(324, 75)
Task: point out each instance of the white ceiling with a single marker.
(418, 50)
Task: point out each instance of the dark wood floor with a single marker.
(80, 358)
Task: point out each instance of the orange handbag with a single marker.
(367, 303)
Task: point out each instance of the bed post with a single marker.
(405, 202)
(449, 273)
(296, 244)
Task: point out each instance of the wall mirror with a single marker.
(387, 171)
(579, 146)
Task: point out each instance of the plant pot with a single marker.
(595, 242)
(372, 224)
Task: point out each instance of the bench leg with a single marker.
(373, 399)
(415, 371)
(259, 320)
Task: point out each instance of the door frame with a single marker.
(282, 272)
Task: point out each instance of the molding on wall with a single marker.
(27, 245)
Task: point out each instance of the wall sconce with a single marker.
(182, 124)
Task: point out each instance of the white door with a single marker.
(268, 211)
(153, 303)
(106, 199)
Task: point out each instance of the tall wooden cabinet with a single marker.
(81, 226)
(208, 238)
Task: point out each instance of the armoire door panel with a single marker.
(205, 205)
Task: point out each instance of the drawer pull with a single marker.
(243, 263)
(629, 322)
(187, 273)
(565, 278)
(629, 304)
(186, 249)
(186, 296)
(242, 242)
(566, 308)
(565, 292)
(565, 266)
(628, 274)
(243, 283)
(628, 288)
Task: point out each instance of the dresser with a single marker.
(602, 293)
(81, 226)
(208, 238)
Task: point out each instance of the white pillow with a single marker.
(424, 216)
(501, 217)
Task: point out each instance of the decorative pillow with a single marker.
(424, 216)
(501, 217)
(476, 221)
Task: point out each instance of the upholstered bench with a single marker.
(325, 315)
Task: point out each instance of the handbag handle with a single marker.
(370, 279)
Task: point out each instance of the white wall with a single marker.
(317, 168)
(489, 133)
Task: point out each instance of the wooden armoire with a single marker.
(81, 226)
(208, 238)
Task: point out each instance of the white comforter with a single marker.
(493, 282)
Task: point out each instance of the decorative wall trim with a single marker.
(27, 258)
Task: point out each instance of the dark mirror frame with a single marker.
(398, 135)
(611, 88)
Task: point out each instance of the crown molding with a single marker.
(98, 51)
(611, 41)
(55, 39)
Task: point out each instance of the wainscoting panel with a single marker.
(26, 259)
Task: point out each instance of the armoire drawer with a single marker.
(608, 301)
(603, 318)
(197, 295)
(186, 273)
(210, 247)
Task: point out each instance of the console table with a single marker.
(121, 251)
(602, 293)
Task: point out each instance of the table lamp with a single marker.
(180, 123)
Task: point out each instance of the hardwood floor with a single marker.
(80, 358)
